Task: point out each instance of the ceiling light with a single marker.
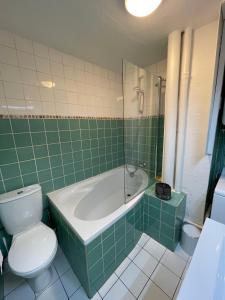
(141, 8)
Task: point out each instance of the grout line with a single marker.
(17, 156)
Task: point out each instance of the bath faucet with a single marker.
(142, 165)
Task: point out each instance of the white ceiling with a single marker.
(101, 31)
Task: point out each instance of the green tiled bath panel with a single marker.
(95, 262)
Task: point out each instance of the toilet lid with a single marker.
(32, 250)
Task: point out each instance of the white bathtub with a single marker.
(92, 205)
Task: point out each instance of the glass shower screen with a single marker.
(142, 121)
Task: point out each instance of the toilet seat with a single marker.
(32, 250)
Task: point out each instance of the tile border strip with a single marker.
(3, 116)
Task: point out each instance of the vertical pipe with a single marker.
(183, 106)
(171, 103)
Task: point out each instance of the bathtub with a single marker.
(93, 205)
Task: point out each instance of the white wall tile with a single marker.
(57, 69)
(46, 94)
(7, 39)
(3, 107)
(59, 82)
(55, 55)
(31, 92)
(48, 108)
(16, 106)
(74, 86)
(13, 90)
(10, 73)
(23, 44)
(40, 50)
(2, 93)
(8, 55)
(34, 107)
(26, 60)
(42, 64)
(60, 95)
(28, 76)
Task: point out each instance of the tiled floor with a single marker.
(150, 272)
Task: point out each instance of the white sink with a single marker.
(205, 278)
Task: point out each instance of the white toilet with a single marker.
(34, 244)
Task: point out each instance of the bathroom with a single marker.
(112, 149)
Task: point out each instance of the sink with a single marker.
(205, 278)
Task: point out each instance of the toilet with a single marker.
(34, 244)
(218, 205)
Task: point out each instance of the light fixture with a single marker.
(48, 84)
(141, 8)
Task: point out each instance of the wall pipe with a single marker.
(183, 106)
(171, 106)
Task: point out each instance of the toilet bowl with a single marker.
(34, 244)
(31, 255)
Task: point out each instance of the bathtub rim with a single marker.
(77, 225)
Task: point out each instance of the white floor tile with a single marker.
(177, 290)
(134, 252)
(165, 279)
(146, 262)
(6, 267)
(122, 267)
(11, 282)
(134, 279)
(186, 268)
(24, 291)
(61, 264)
(143, 240)
(70, 282)
(81, 295)
(119, 292)
(54, 292)
(59, 251)
(155, 248)
(107, 285)
(179, 251)
(173, 262)
(153, 292)
(55, 277)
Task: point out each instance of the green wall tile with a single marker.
(19, 126)
(6, 141)
(8, 156)
(30, 179)
(9, 171)
(40, 151)
(13, 183)
(36, 125)
(51, 125)
(22, 139)
(38, 138)
(28, 167)
(25, 153)
(5, 126)
(42, 163)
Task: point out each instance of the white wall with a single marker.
(75, 87)
(196, 163)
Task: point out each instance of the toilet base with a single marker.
(40, 282)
